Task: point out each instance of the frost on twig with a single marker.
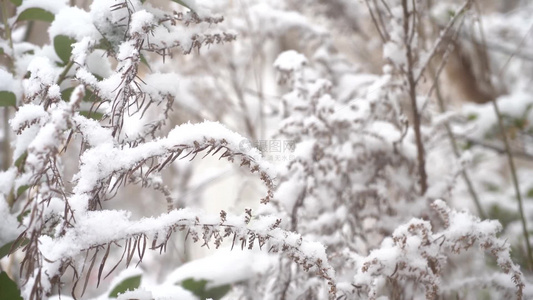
(104, 162)
(416, 253)
(58, 211)
(343, 156)
(93, 234)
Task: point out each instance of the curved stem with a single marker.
(457, 154)
(514, 177)
(63, 74)
(412, 95)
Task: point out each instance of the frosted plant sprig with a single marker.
(462, 236)
(190, 17)
(40, 172)
(122, 93)
(125, 92)
(135, 237)
(340, 176)
(103, 162)
(417, 253)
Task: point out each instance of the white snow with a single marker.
(73, 22)
(27, 114)
(127, 50)
(101, 161)
(140, 22)
(394, 53)
(290, 61)
(221, 268)
(43, 74)
(138, 294)
(81, 49)
(10, 84)
(53, 6)
(511, 105)
(8, 222)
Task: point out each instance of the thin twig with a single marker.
(457, 154)
(514, 176)
(440, 100)
(412, 95)
(499, 149)
(376, 23)
(63, 74)
(517, 50)
(444, 33)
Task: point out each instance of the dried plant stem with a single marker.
(440, 101)
(509, 154)
(455, 149)
(442, 36)
(498, 148)
(376, 24)
(514, 177)
(242, 103)
(287, 281)
(412, 96)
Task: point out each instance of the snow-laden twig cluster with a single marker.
(417, 253)
(108, 120)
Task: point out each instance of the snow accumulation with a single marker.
(279, 20)
(103, 16)
(52, 6)
(158, 84)
(8, 222)
(101, 161)
(127, 50)
(43, 73)
(484, 118)
(74, 22)
(139, 21)
(26, 114)
(81, 49)
(94, 134)
(214, 268)
(290, 61)
(8, 83)
(138, 294)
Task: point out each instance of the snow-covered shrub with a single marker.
(102, 125)
(76, 95)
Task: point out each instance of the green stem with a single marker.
(514, 177)
(29, 29)
(5, 143)
(8, 37)
(63, 74)
(423, 180)
(6, 148)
